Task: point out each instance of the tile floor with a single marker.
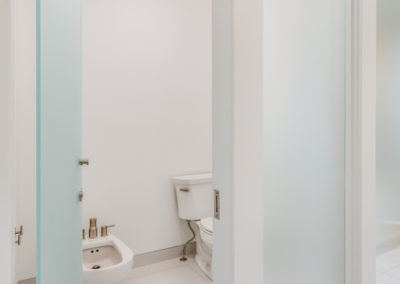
(388, 267)
(167, 272)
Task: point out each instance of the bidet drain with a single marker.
(96, 266)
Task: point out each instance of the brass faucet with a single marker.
(104, 230)
(93, 228)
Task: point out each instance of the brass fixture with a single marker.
(185, 189)
(104, 230)
(84, 162)
(18, 235)
(83, 234)
(96, 266)
(93, 228)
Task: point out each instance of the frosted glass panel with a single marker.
(388, 114)
(304, 141)
(59, 178)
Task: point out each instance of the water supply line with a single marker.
(183, 257)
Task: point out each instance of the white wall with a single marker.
(146, 113)
(25, 121)
(388, 115)
(6, 149)
(304, 108)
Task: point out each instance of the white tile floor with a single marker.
(388, 267)
(167, 272)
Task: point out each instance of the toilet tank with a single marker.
(195, 196)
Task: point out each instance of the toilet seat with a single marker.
(206, 234)
(206, 225)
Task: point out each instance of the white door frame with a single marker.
(238, 140)
(7, 157)
(361, 142)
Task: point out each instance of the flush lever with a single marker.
(18, 235)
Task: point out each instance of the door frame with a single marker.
(361, 142)
(7, 147)
(237, 121)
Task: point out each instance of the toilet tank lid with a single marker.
(193, 179)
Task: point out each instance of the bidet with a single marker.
(106, 260)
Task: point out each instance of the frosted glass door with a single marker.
(59, 139)
(388, 115)
(305, 141)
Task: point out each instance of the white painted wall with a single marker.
(25, 123)
(388, 115)
(146, 113)
(6, 148)
(304, 105)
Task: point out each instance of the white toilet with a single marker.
(195, 203)
(106, 260)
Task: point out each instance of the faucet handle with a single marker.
(93, 222)
(104, 230)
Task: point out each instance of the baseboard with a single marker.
(148, 258)
(387, 246)
(28, 281)
(162, 255)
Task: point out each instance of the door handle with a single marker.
(18, 235)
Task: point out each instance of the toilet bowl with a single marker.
(106, 260)
(204, 245)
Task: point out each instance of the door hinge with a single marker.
(18, 235)
(84, 162)
(216, 204)
(81, 195)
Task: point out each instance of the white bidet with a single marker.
(106, 260)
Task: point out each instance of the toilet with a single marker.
(195, 203)
(106, 260)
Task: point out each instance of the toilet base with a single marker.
(204, 266)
